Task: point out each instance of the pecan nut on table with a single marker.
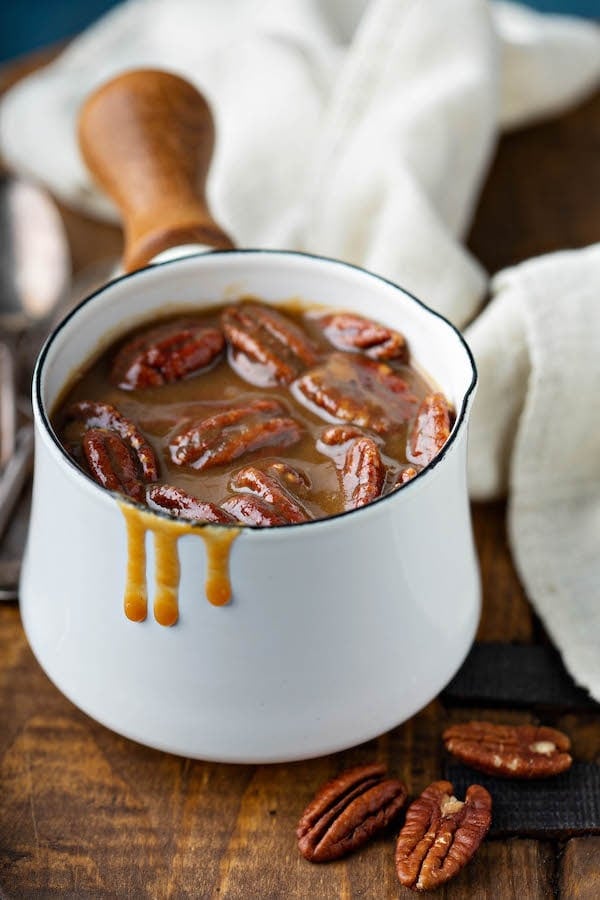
(441, 834)
(510, 751)
(348, 811)
(255, 415)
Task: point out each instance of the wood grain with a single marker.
(147, 137)
(542, 191)
(85, 813)
(506, 614)
(509, 870)
(580, 870)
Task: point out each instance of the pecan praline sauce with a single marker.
(246, 414)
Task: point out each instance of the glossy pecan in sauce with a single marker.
(250, 414)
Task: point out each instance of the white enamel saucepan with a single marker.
(336, 629)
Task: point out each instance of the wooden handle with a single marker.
(147, 137)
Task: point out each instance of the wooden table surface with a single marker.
(86, 813)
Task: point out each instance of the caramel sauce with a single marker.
(218, 543)
(166, 533)
(136, 592)
(159, 412)
(166, 610)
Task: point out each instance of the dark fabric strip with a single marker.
(518, 676)
(560, 807)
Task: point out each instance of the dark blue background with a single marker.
(29, 24)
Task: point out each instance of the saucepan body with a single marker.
(337, 629)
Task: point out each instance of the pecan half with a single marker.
(252, 510)
(295, 480)
(441, 834)
(430, 430)
(348, 811)
(340, 434)
(267, 348)
(407, 473)
(223, 437)
(362, 391)
(270, 488)
(87, 414)
(511, 751)
(165, 354)
(178, 503)
(350, 331)
(363, 473)
(112, 463)
(360, 467)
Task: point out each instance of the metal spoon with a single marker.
(34, 275)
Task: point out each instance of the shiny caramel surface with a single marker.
(160, 412)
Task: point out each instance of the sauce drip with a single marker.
(218, 542)
(136, 593)
(166, 610)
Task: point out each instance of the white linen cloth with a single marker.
(536, 431)
(363, 130)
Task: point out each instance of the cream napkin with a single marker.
(363, 130)
(536, 432)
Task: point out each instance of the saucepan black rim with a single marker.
(39, 405)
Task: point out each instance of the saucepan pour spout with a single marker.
(147, 137)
